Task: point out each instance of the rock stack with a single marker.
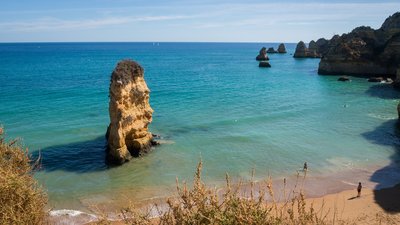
(315, 49)
(262, 56)
(271, 50)
(130, 113)
(281, 48)
(301, 50)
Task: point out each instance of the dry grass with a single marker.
(22, 200)
(204, 205)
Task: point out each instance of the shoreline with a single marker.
(318, 190)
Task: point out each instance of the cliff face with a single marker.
(130, 113)
(364, 51)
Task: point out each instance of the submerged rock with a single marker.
(264, 64)
(262, 55)
(376, 79)
(271, 50)
(364, 51)
(130, 113)
(344, 78)
(281, 48)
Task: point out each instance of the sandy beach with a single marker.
(373, 207)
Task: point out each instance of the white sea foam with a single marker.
(65, 212)
(68, 216)
(382, 117)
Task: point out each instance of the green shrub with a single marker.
(22, 200)
(203, 205)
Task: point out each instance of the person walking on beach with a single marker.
(305, 167)
(359, 189)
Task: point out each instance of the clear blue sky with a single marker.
(190, 20)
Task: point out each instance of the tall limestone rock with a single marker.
(130, 113)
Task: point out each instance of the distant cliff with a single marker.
(130, 113)
(364, 51)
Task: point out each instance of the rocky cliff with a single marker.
(130, 113)
(364, 51)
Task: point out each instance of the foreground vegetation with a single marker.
(234, 205)
(22, 200)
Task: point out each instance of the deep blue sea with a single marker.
(211, 102)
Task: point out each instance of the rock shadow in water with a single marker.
(79, 157)
(387, 134)
(384, 91)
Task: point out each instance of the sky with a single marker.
(186, 21)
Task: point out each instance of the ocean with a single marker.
(211, 102)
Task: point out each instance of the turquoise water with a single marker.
(211, 101)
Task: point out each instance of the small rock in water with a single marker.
(389, 80)
(264, 64)
(375, 79)
(344, 78)
(271, 50)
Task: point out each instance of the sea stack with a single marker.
(262, 56)
(312, 48)
(281, 48)
(301, 50)
(271, 50)
(365, 52)
(130, 113)
(311, 52)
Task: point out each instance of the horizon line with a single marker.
(210, 42)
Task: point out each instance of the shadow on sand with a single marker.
(384, 91)
(79, 157)
(387, 134)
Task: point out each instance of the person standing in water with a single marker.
(359, 189)
(305, 167)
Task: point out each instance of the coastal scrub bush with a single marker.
(240, 204)
(22, 200)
